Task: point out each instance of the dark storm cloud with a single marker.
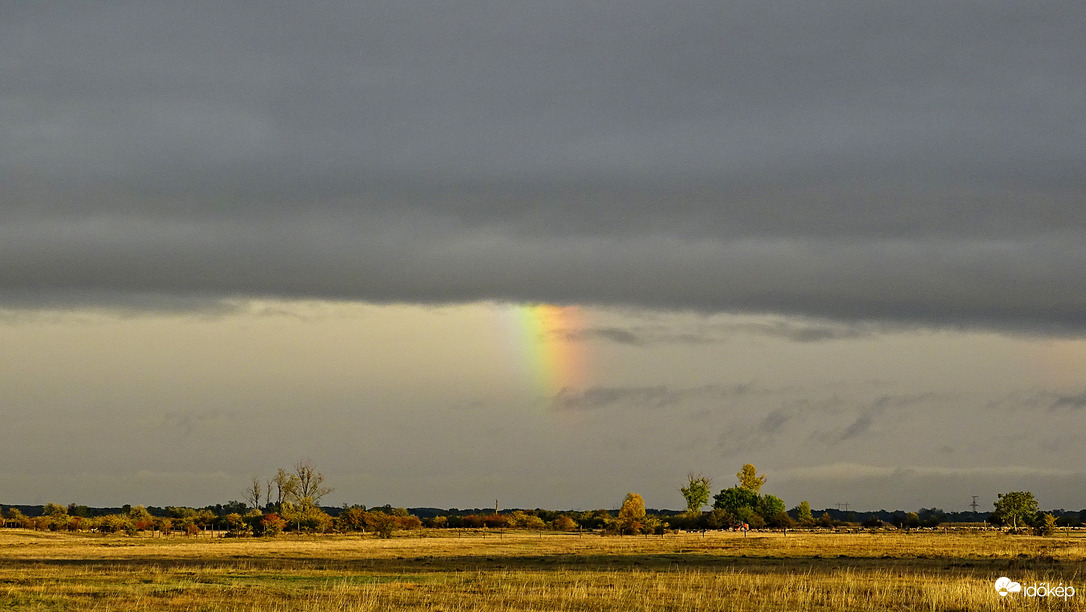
(910, 162)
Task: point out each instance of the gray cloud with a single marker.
(611, 334)
(1033, 399)
(915, 163)
(795, 329)
(186, 422)
(1073, 402)
(869, 414)
(774, 421)
(660, 396)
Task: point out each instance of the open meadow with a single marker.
(532, 571)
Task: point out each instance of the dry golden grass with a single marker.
(520, 571)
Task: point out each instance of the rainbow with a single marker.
(552, 352)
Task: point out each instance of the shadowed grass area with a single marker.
(518, 571)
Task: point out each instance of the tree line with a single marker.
(290, 502)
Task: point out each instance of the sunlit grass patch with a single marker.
(518, 571)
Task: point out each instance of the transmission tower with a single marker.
(974, 504)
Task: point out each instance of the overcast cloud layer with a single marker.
(897, 161)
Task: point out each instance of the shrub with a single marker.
(719, 518)
(782, 520)
(564, 523)
(1047, 525)
(236, 527)
(383, 524)
(408, 523)
(271, 524)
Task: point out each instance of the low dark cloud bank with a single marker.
(903, 162)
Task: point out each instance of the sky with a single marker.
(543, 253)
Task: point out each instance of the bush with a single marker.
(351, 519)
(236, 527)
(524, 520)
(271, 524)
(383, 524)
(471, 521)
(408, 523)
(719, 518)
(1047, 525)
(781, 520)
(564, 523)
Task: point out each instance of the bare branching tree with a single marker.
(310, 483)
(286, 487)
(252, 493)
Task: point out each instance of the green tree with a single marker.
(749, 478)
(770, 505)
(54, 510)
(751, 517)
(1016, 507)
(733, 499)
(803, 514)
(631, 515)
(696, 492)
(80, 511)
(719, 518)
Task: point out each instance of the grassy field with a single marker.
(526, 571)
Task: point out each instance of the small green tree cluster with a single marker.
(745, 504)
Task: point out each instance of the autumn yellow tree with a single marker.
(631, 516)
(749, 478)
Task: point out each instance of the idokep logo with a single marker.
(1005, 586)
